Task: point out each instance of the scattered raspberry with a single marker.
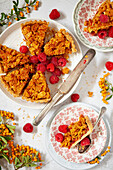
(54, 14)
(24, 49)
(102, 34)
(57, 72)
(34, 59)
(104, 18)
(54, 79)
(59, 137)
(50, 67)
(63, 128)
(54, 60)
(62, 62)
(109, 65)
(85, 142)
(110, 33)
(41, 67)
(46, 62)
(42, 57)
(75, 97)
(28, 128)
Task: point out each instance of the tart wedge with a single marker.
(34, 33)
(61, 43)
(37, 89)
(10, 58)
(95, 24)
(16, 80)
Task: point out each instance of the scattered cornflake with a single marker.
(19, 109)
(28, 116)
(104, 71)
(83, 72)
(65, 70)
(90, 94)
(42, 126)
(34, 117)
(23, 117)
(14, 123)
(40, 134)
(86, 56)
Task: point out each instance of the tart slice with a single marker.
(16, 80)
(10, 58)
(61, 43)
(34, 33)
(102, 20)
(37, 89)
(77, 131)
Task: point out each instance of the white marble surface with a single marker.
(89, 82)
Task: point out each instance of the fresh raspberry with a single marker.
(28, 128)
(59, 137)
(102, 34)
(41, 67)
(75, 97)
(54, 79)
(110, 33)
(24, 49)
(34, 59)
(54, 14)
(63, 128)
(54, 60)
(62, 62)
(50, 67)
(104, 18)
(42, 57)
(109, 65)
(57, 72)
(46, 62)
(85, 142)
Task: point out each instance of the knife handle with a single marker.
(46, 109)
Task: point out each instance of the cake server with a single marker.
(66, 85)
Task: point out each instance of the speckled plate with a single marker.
(70, 158)
(13, 38)
(84, 10)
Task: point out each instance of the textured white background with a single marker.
(89, 82)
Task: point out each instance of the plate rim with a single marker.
(47, 131)
(12, 98)
(98, 48)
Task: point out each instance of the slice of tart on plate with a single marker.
(10, 58)
(16, 80)
(34, 33)
(37, 89)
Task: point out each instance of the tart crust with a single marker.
(61, 43)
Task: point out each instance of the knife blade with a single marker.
(66, 85)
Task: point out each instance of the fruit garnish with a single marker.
(57, 72)
(59, 137)
(28, 128)
(54, 60)
(46, 62)
(34, 59)
(102, 34)
(23, 49)
(104, 18)
(42, 57)
(50, 67)
(63, 128)
(109, 65)
(75, 97)
(41, 67)
(54, 14)
(110, 33)
(62, 62)
(85, 142)
(54, 79)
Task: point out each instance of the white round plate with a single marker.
(84, 10)
(13, 38)
(72, 159)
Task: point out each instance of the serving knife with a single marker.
(66, 85)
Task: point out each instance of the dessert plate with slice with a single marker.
(70, 157)
(24, 89)
(89, 18)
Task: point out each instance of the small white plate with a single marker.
(59, 158)
(84, 10)
(13, 38)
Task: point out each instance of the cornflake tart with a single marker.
(61, 43)
(37, 89)
(102, 20)
(77, 131)
(34, 33)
